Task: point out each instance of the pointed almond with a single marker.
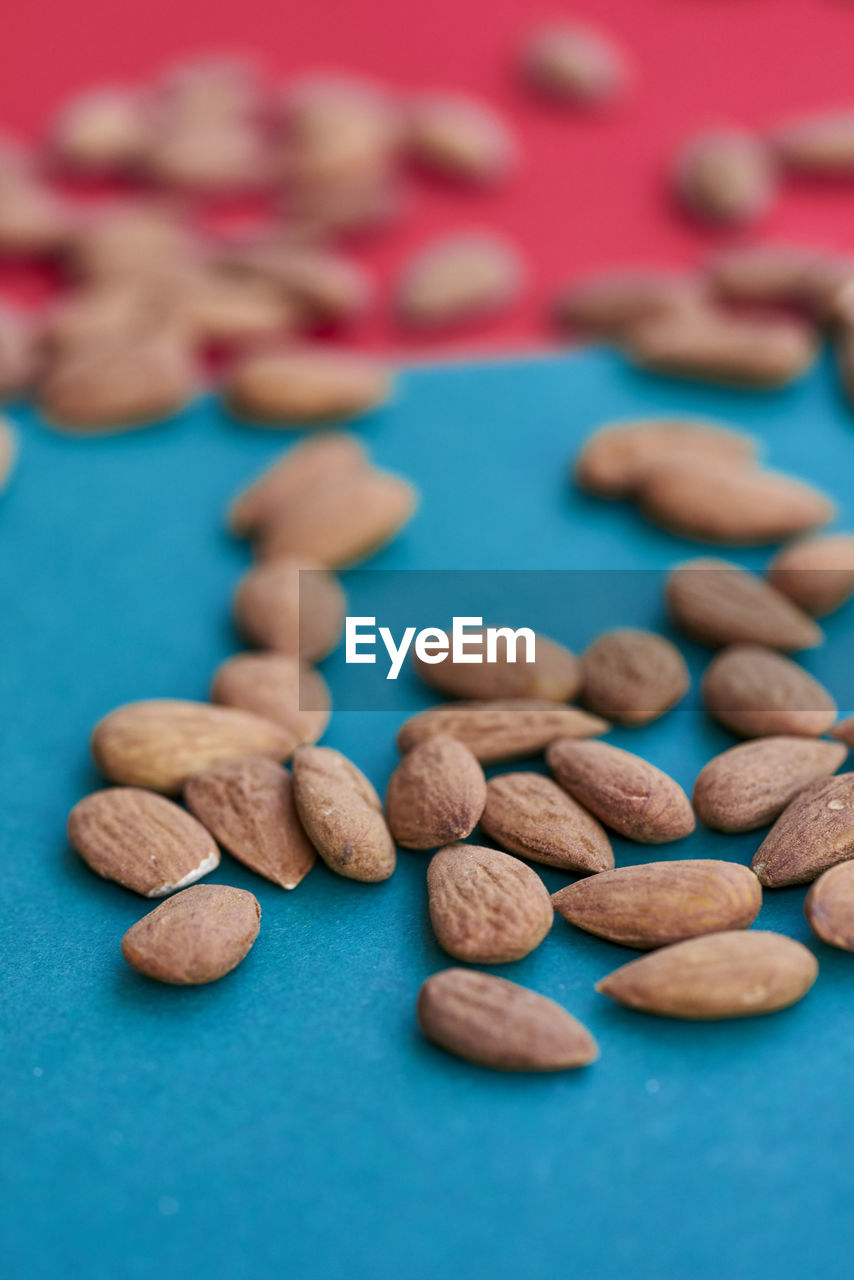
(342, 814)
(292, 605)
(274, 686)
(528, 814)
(141, 840)
(829, 906)
(158, 744)
(814, 832)
(496, 1023)
(718, 603)
(302, 467)
(816, 573)
(198, 936)
(755, 692)
(248, 806)
(554, 675)
(486, 907)
(507, 729)
(286, 388)
(721, 975)
(751, 784)
(633, 677)
(659, 903)
(435, 795)
(627, 793)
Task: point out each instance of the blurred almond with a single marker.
(610, 304)
(726, 177)
(751, 784)
(459, 138)
(816, 573)
(772, 274)
(814, 832)
(292, 605)
(102, 131)
(274, 685)
(755, 692)
(198, 936)
(303, 466)
(296, 388)
(342, 814)
(8, 452)
(459, 280)
(820, 145)
(575, 65)
(829, 906)
(554, 675)
(19, 353)
(616, 460)
(633, 677)
(718, 603)
(435, 795)
(501, 730)
(529, 814)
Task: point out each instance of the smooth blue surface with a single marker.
(289, 1120)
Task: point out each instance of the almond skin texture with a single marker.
(633, 677)
(751, 784)
(301, 468)
(272, 685)
(158, 744)
(662, 902)
(197, 936)
(816, 573)
(829, 906)
(435, 795)
(141, 840)
(617, 459)
(302, 387)
(486, 907)
(501, 730)
(248, 806)
(756, 692)
(528, 814)
(721, 975)
(628, 794)
(342, 815)
(554, 675)
(815, 831)
(718, 603)
(496, 1023)
(267, 608)
(730, 505)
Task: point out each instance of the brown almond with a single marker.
(660, 903)
(343, 520)
(726, 177)
(496, 1023)
(458, 280)
(435, 795)
(486, 907)
(102, 131)
(529, 814)
(277, 687)
(554, 675)
(575, 65)
(326, 288)
(616, 459)
(223, 312)
(159, 743)
(756, 692)
(303, 387)
(816, 573)
(268, 613)
(722, 975)
(19, 353)
(829, 906)
(633, 677)
(248, 806)
(342, 814)
(750, 785)
(34, 220)
(501, 730)
(609, 305)
(715, 346)
(719, 603)
(735, 505)
(820, 146)
(8, 452)
(198, 936)
(627, 793)
(299, 470)
(814, 832)
(141, 840)
(460, 138)
(133, 239)
(770, 274)
(844, 731)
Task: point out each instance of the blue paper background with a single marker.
(289, 1120)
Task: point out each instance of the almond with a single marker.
(158, 744)
(302, 387)
(820, 145)
(460, 279)
(814, 832)
(302, 467)
(141, 841)
(500, 730)
(829, 906)
(20, 350)
(342, 520)
(755, 692)
(628, 794)
(633, 677)
(435, 795)
(736, 505)
(460, 138)
(267, 608)
(529, 814)
(326, 288)
(718, 603)
(751, 784)
(816, 573)
(575, 64)
(773, 274)
(844, 731)
(198, 936)
(277, 687)
(496, 1023)
(486, 907)
(616, 460)
(342, 814)
(8, 450)
(554, 675)
(726, 177)
(721, 975)
(662, 902)
(609, 305)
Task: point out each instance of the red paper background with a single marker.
(590, 191)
